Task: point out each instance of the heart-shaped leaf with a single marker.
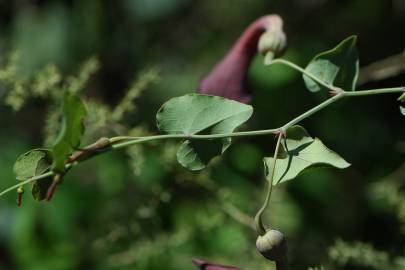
(201, 114)
(34, 162)
(299, 152)
(71, 131)
(338, 67)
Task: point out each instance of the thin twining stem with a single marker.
(261, 230)
(303, 71)
(125, 141)
(22, 183)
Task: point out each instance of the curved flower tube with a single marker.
(228, 77)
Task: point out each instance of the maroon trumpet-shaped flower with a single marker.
(203, 265)
(228, 77)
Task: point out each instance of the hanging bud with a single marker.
(272, 245)
(273, 42)
(20, 192)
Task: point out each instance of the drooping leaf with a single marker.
(402, 109)
(40, 188)
(299, 152)
(194, 155)
(201, 114)
(71, 131)
(338, 67)
(34, 162)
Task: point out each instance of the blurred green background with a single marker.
(139, 209)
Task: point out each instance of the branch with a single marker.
(125, 141)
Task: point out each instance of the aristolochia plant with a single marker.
(205, 125)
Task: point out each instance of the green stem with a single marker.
(313, 110)
(127, 141)
(22, 183)
(36, 178)
(261, 230)
(338, 96)
(371, 92)
(303, 71)
(124, 141)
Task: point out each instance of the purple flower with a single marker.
(228, 77)
(203, 265)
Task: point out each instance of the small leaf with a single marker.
(34, 162)
(71, 131)
(299, 152)
(195, 113)
(40, 188)
(402, 109)
(194, 155)
(338, 67)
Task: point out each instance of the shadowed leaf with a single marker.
(32, 163)
(299, 152)
(71, 131)
(40, 188)
(338, 67)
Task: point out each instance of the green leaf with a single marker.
(34, 162)
(402, 109)
(300, 152)
(71, 131)
(40, 188)
(194, 155)
(195, 113)
(338, 67)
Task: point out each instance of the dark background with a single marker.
(111, 214)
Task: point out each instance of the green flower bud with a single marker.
(273, 42)
(272, 245)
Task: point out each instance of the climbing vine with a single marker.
(205, 126)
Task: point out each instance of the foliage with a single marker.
(34, 162)
(299, 153)
(195, 117)
(193, 114)
(147, 201)
(338, 66)
(71, 131)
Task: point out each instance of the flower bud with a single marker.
(272, 245)
(273, 42)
